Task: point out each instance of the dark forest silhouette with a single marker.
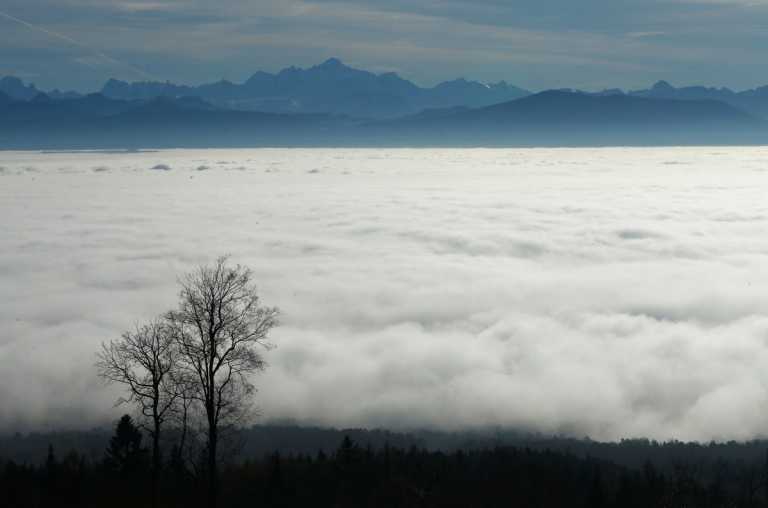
(355, 475)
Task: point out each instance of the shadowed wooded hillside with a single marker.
(354, 474)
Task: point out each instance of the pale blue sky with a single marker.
(532, 43)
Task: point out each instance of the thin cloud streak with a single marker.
(589, 44)
(74, 42)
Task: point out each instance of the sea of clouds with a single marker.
(612, 293)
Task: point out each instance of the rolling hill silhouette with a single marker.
(548, 118)
(5, 99)
(573, 118)
(562, 108)
(754, 101)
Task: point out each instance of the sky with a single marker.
(610, 293)
(536, 44)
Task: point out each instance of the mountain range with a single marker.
(334, 105)
(331, 87)
(16, 89)
(335, 88)
(558, 118)
(753, 101)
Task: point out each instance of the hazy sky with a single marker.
(532, 43)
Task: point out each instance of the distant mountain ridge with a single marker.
(331, 87)
(335, 88)
(557, 117)
(16, 89)
(753, 101)
(580, 109)
(553, 118)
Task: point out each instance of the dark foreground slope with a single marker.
(355, 473)
(262, 440)
(552, 118)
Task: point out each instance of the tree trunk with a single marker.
(155, 462)
(213, 479)
(183, 439)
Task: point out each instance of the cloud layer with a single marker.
(601, 292)
(534, 44)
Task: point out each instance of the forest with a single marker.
(543, 473)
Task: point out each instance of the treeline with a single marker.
(355, 475)
(255, 441)
(287, 439)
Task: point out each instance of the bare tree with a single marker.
(184, 419)
(143, 360)
(218, 328)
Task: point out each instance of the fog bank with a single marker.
(602, 292)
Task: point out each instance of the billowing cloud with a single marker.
(601, 292)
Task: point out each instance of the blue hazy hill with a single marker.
(753, 101)
(543, 119)
(559, 117)
(579, 109)
(5, 99)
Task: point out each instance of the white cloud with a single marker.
(606, 292)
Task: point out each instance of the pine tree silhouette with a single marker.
(125, 454)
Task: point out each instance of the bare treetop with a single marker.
(142, 359)
(219, 328)
(197, 358)
(218, 324)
